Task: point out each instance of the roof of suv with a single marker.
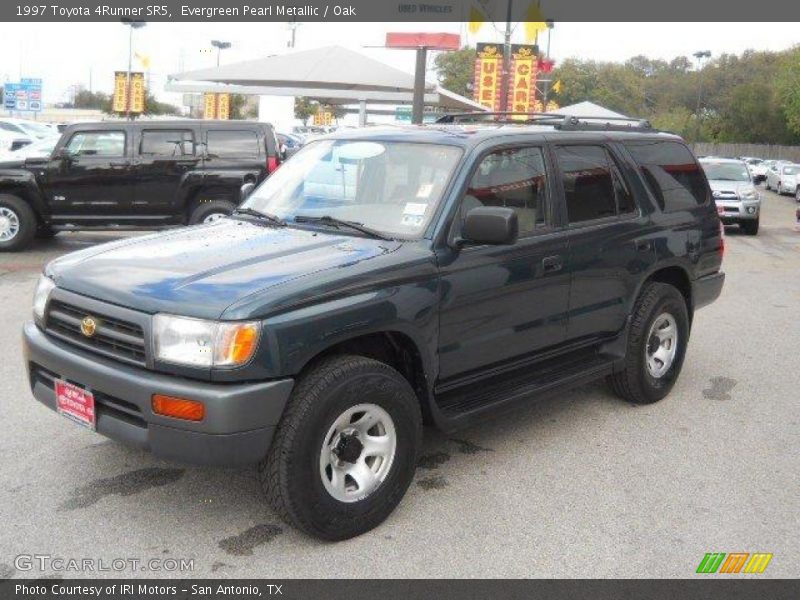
(471, 135)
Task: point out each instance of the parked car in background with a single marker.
(757, 167)
(381, 278)
(26, 128)
(772, 173)
(782, 178)
(141, 174)
(734, 192)
(289, 144)
(39, 149)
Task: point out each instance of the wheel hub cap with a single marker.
(662, 345)
(9, 224)
(213, 217)
(357, 453)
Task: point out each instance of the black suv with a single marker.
(379, 280)
(140, 174)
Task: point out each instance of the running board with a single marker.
(462, 405)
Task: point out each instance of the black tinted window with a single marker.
(588, 182)
(167, 143)
(514, 178)
(233, 143)
(672, 174)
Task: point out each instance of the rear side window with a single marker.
(589, 185)
(672, 174)
(165, 142)
(242, 143)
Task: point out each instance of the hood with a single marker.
(729, 188)
(200, 271)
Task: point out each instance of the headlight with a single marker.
(748, 194)
(200, 343)
(41, 296)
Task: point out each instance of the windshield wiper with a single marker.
(339, 223)
(252, 212)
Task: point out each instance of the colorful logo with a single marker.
(734, 562)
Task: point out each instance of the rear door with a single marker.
(93, 176)
(234, 155)
(609, 239)
(165, 159)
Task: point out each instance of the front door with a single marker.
(92, 177)
(505, 303)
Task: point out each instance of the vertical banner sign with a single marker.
(120, 103)
(488, 65)
(224, 106)
(137, 93)
(522, 88)
(209, 106)
(216, 106)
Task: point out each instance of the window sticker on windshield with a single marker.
(413, 220)
(415, 209)
(425, 190)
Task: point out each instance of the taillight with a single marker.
(721, 239)
(272, 163)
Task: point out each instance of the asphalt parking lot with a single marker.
(583, 485)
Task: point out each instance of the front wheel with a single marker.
(797, 194)
(346, 448)
(657, 338)
(210, 211)
(17, 224)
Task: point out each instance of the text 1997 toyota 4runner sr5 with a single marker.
(379, 279)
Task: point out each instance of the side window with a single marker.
(672, 174)
(625, 202)
(108, 144)
(242, 143)
(589, 186)
(165, 142)
(513, 178)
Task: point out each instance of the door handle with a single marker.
(551, 264)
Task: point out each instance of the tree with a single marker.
(92, 100)
(154, 107)
(456, 70)
(788, 89)
(305, 108)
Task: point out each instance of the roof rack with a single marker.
(558, 121)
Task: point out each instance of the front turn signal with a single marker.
(178, 408)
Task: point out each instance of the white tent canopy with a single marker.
(333, 75)
(589, 109)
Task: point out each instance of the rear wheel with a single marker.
(210, 210)
(657, 338)
(346, 448)
(17, 223)
(797, 194)
(750, 227)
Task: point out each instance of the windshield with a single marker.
(391, 187)
(790, 170)
(726, 171)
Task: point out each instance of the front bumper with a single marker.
(239, 422)
(736, 211)
(706, 289)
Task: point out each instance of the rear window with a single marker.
(672, 174)
(243, 143)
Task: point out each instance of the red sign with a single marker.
(76, 403)
(432, 41)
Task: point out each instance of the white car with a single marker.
(757, 167)
(782, 178)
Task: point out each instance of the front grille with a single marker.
(113, 337)
(731, 209)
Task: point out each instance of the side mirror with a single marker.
(246, 190)
(494, 225)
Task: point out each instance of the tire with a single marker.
(797, 194)
(17, 224)
(206, 211)
(766, 184)
(291, 475)
(750, 227)
(634, 382)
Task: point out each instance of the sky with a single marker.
(69, 54)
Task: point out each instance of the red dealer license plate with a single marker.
(76, 403)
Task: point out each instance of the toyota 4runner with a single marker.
(379, 280)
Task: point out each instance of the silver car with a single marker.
(775, 176)
(737, 199)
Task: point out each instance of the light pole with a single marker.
(699, 55)
(220, 46)
(133, 25)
